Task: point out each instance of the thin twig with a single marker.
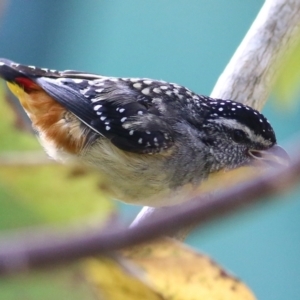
(25, 158)
(40, 248)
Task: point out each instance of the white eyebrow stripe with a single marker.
(234, 124)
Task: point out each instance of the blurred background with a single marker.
(187, 42)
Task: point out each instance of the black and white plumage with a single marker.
(150, 138)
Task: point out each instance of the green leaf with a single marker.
(58, 284)
(12, 138)
(42, 193)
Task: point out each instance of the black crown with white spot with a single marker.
(243, 114)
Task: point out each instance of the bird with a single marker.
(152, 141)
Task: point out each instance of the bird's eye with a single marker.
(239, 136)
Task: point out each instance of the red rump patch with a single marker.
(27, 84)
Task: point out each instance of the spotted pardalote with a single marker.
(151, 140)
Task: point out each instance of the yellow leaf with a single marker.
(116, 282)
(180, 273)
(167, 268)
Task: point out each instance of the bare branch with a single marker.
(21, 158)
(35, 249)
(249, 76)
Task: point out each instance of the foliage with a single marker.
(44, 193)
(163, 269)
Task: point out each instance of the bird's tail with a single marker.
(19, 81)
(10, 70)
(47, 115)
(23, 76)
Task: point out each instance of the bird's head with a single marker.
(237, 135)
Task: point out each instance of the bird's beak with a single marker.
(275, 156)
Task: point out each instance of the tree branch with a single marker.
(249, 76)
(22, 251)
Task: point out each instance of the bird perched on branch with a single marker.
(151, 140)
